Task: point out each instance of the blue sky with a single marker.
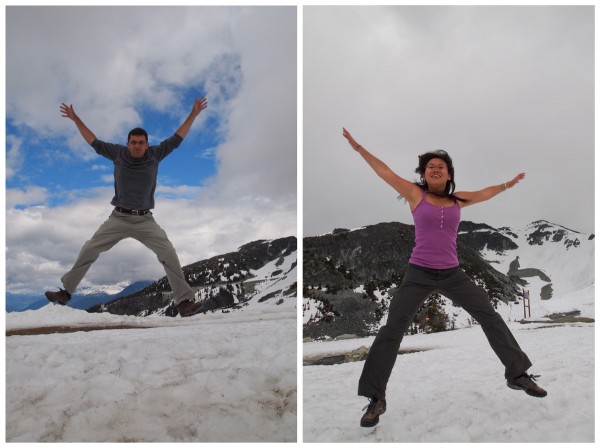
(234, 178)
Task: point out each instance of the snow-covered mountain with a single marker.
(259, 272)
(565, 256)
(83, 299)
(350, 275)
(553, 264)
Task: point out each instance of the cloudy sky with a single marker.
(502, 89)
(232, 181)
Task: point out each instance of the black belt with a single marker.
(132, 212)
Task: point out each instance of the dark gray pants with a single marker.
(419, 283)
(142, 228)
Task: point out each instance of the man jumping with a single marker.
(135, 172)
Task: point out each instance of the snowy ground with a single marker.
(454, 390)
(219, 377)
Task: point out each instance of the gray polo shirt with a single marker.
(135, 179)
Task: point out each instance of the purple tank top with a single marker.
(436, 229)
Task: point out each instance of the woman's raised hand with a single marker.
(352, 142)
(516, 180)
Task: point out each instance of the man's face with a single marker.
(137, 145)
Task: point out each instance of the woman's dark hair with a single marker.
(138, 132)
(450, 185)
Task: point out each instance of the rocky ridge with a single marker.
(259, 271)
(350, 275)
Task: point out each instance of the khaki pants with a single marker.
(142, 228)
(418, 284)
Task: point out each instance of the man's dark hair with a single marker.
(138, 131)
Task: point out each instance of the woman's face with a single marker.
(436, 173)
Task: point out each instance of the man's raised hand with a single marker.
(199, 105)
(67, 111)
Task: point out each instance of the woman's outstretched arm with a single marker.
(411, 192)
(473, 197)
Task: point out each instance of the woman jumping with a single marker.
(433, 267)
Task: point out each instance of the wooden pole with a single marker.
(526, 304)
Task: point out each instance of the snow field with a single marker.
(455, 390)
(219, 377)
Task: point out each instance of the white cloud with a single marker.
(99, 167)
(43, 242)
(502, 89)
(14, 156)
(245, 58)
(261, 153)
(28, 196)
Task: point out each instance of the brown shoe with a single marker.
(374, 409)
(189, 308)
(61, 296)
(527, 383)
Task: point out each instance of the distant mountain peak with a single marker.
(545, 224)
(544, 231)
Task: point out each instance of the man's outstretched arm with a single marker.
(69, 112)
(199, 106)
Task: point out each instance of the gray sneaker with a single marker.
(527, 383)
(61, 296)
(374, 409)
